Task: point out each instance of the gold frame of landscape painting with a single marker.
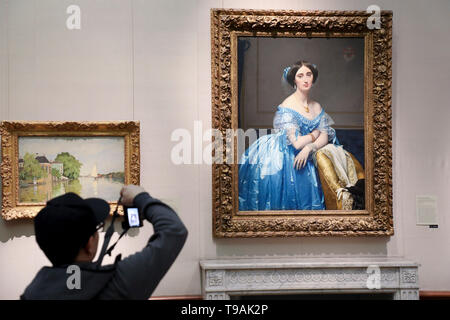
(117, 143)
(376, 219)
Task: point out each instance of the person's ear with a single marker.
(91, 247)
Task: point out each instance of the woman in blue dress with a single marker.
(277, 171)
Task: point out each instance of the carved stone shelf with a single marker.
(223, 279)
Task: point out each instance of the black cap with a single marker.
(65, 225)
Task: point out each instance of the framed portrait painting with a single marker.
(301, 100)
(42, 160)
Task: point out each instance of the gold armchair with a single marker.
(331, 182)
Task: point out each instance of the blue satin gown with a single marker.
(267, 177)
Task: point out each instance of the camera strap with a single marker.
(107, 239)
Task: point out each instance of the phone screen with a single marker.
(133, 217)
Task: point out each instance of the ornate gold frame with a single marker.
(11, 130)
(377, 219)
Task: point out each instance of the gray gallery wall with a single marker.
(150, 61)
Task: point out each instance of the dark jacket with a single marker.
(134, 277)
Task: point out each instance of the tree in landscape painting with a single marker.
(56, 174)
(71, 165)
(31, 168)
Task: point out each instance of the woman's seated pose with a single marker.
(277, 171)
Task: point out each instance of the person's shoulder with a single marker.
(317, 108)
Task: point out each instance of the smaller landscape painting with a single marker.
(88, 166)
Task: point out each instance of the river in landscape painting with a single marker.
(86, 187)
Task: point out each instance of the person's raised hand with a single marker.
(128, 193)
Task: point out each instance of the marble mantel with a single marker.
(222, 279)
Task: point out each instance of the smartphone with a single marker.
(132, 218)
